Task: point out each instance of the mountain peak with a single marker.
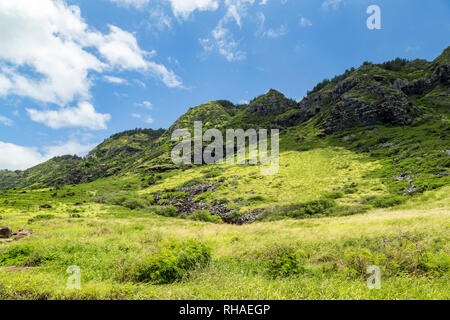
(271, 102)
(444, 57)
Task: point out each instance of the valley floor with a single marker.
(408, 242)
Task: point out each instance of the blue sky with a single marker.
(74, 72)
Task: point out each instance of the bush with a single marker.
(396, 259)
(387, 201)
(166, 211)
(334, 195)
(173, 262)
(126, 199)
(203, 196)
(319, 207)
(191, 183)
(135, 203)
(43, 217)
(175, 195)
(212, 173)
(204, 215)
(283, 263)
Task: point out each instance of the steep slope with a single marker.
(118, 153)
(56, 171)
(385, 93)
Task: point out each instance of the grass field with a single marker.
(323, 258)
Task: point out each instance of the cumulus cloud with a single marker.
(16, 157)
(84, 116)
(46, 52)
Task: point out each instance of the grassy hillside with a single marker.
(321, 258)
(363, 180)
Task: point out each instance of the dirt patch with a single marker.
(22, 233)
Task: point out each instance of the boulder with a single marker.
(5, 232)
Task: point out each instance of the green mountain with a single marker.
(141, 227)
(371, 136)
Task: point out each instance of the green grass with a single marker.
(107, 242)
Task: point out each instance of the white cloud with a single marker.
(136, 115)
(270, 33)
(6, 121)
(276, 33)
(183, 8)
(149, 120)
(221, 39)
(333, 4)
(304, 22)
(84, 116)
(15, 157)
(146, 104)
(44, 51)
(115, 80)
(159, 19)
(131, 3)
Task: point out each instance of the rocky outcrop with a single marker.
(440, 77)
(273, 102)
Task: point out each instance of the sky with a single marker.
(74, 72)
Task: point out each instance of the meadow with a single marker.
(128, 253)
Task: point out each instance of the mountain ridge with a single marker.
(394, 93)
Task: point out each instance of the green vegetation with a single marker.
(351, 191)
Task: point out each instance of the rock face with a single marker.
(440, 78)
(273, 102)
(5, 232)
(359, 102)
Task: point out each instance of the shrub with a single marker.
(175, 195)
(283, 263)
(204, 215)
(191, 183)
(126, 199)
(166, 211)
(334, 195)
(387, 201)
(43, 217)
(134, 203)
(300, 210)
(203, 196)
(213, 173)
(257, 199)
(396, 259)
(174, 262)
